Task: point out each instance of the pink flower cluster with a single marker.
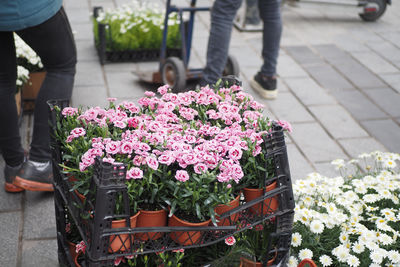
(75, 133)
(194, 131)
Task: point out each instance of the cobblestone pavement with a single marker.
(339, 86)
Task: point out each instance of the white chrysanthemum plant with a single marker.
(26, 57)
(22, 77)
(352, 219)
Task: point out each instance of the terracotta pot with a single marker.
(122, 242)
(220, 209)
(270, 204)
(307, 263)
(72, 252)
(157, 218)
(249, 263)
(31, 89)
(186, 238)
(80, 196)
(72, 179)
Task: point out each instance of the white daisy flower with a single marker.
(317, 227)
(292, 262)
(344, 237)
(353, 261)
(394, 256)
(325, 260)
(305, 254)
(296, 239)
(376, 257)
(358, 247)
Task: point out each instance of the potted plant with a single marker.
(190, 151)
(352, 219)
(134, 32)
(28, 59)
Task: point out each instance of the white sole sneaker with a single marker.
(266, 94)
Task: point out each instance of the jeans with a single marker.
(53, 41)
(222, 15)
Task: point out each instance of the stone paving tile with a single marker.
(121, 67)
(246, 57)
(288, 108)
(358, 105)
(393, 80)
(299, 166)
(338, 121)
(386, 99)
(315, 143)
(326, 169)
(78, 15)
(102, 3)
(385, 131)
(86, 51)
(354, 71)
(328, 77)
(357, 146)
(287, 67)
(387, 50)
(124, 84)
(374, 62)
(41, 253)
(8, 201)
(88, 73)
(73, 4)
(346, 42)
(39, 216)
(83, 32)
(9, 229)
(330, 51)
(309, 92)
(90, 96)
(392, 36)
(304, 55)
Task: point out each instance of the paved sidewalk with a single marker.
(339, 86)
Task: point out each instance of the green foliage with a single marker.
(137, 28)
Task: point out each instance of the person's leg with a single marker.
(270, 13)
(222, 15)
(10, 140)
(54, 43)
(264, 82)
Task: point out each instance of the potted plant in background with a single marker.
(28, 59)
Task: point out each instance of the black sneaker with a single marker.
(35, 176)
(9, 175)
(265, 86)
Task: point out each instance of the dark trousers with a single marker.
(54, 43)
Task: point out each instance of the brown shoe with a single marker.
(9, 175)
(35, 176)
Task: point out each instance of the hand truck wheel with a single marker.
(231, 67)
(373, 10)
(173, 73)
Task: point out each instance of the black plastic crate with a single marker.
(94, 215)
(138, 55)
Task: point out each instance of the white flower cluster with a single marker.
(138, 14)
(24, 51)
(351, 221)
(22, 76)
